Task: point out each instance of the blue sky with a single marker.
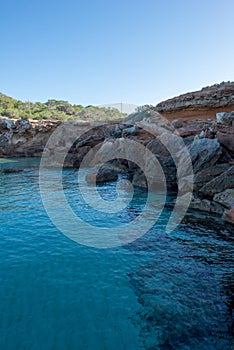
(96, 52)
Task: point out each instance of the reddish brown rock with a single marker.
(204, 103)
(227, 141)
(189, 131)
(229, 216)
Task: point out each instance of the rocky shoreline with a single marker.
(209, 142)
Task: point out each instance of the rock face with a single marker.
(165, 160)
(219, 184)
(104, 175)
(24, 138)
(206, 175)
(207, 206)
(27, 138)
(213, 181)
(204, 103)
(204, 153)
(226, 198)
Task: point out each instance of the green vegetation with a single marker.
(141, 113)
(54, 110)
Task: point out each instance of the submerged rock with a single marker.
(11, 171)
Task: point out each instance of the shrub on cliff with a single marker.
(54, 109)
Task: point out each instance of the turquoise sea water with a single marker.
(163, 291)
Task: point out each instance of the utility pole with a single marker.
(29, 106)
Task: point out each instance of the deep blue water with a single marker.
(163, 291)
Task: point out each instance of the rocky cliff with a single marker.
(24, 138)
(210, 144)
(204, 103)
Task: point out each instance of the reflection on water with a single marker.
(164, 291)
(186, 304)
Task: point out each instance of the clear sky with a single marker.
(107, 51)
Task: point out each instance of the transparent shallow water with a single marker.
(164, 291)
